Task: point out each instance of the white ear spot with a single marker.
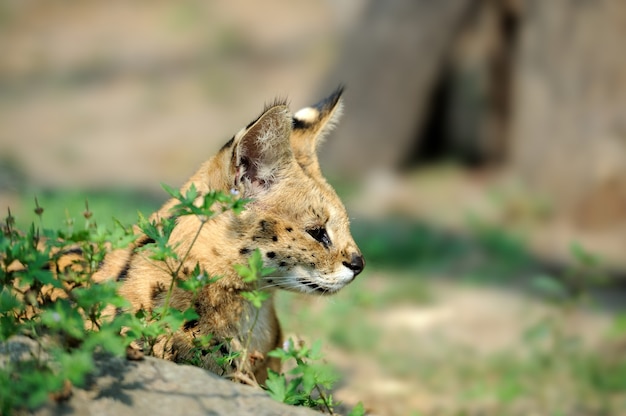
(307, 114)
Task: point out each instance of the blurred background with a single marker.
(482, 156)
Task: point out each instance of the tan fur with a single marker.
(273, 161)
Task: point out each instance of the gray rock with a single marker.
(157, 387)
(19, 348)
(153, 387)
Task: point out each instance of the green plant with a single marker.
(48, 295)
(553, 349)
(160, 324)
(309, 382)
(252, 273)
(573, 286)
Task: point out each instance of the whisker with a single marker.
(279, 285)
(291, 276)
(290, 284)
(286, 282)
(297, 283)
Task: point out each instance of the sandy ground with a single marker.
(134, 94)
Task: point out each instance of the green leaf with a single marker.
(293, 394)
(35, 386)
(75, 366)
(108, 338)
(325, 375)
(99, 295)
(246, 274)
(174, 193)
(309, 378)
(122, 236)
(190, 314)
(549, 286)
(203, 341)
(280, 354)
(197, 280)
(583, 256)
(276, 386)
(64, 318)
(255, 269)
(316, 350)
(9, 326)
(256, 297)
(358, 410)
(8, 301)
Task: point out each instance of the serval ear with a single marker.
(310, 126)
(262, 150)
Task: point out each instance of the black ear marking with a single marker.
(298, 124)
(311, 116)
(331, 100)
(228, 144)
(311, 125)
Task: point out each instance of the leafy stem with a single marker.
(175, 273)
(252, 273)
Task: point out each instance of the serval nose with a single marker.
(357, 263)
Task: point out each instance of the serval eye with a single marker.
(320, 235)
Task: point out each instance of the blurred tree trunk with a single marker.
(540, 85)
(426, 80)
(390, 62)
(569, 129)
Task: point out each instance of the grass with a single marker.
(546, 373)
(484, 253)
(107, 205)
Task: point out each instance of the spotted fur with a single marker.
(295, 219)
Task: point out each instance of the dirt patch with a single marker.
(462, 323)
